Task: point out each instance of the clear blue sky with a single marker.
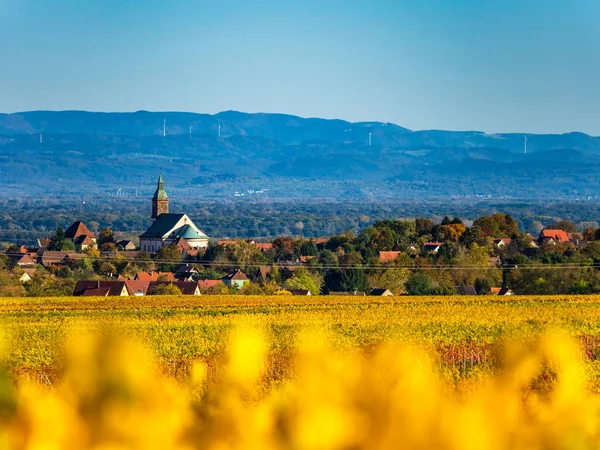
(492, 65)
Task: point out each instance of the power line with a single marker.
(343, 266)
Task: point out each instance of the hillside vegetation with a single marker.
(84, 153)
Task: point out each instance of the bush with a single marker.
(165, 289)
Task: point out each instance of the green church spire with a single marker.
(160, 193)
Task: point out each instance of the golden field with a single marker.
(305, 373)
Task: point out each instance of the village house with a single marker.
(138, 287)
(264, 246)
(81, 237)
(28, 273)
(101, 289)
(502, 243)
(167, 227)
(42, 243)
(465, 290)
(126, 245)
(237, 279)
(154, 276)
(185, 272)
(432, 247)
(59, 258)
(186, 287)
(351, 294)
(206, 285)
(551, 237)
(378, 292)
(388, 256)
(185, 249)
(304, 292)
(20, 259)
(262, 274)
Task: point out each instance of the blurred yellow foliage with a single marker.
(111, 395)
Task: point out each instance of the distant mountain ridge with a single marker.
(286, 129)
(284, 154)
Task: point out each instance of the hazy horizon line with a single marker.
(296, 116)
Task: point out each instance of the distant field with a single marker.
(463, 331)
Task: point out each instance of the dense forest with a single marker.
(23, 220)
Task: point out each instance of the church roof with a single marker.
(162, 226)
(188, 232)
(167, 226)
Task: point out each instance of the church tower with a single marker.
(160, 201)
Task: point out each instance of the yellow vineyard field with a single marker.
(462, 331)
(294, 373)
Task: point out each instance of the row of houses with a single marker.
(122, 288)
(126, 288)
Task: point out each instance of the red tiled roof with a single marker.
(263, 271)
(207, 284)
(44, 242)
(153, 276)
(138, 287)
(84, 240)
(237, 275)
(99, 288)
(78, 229)
(263, 247)
(21, 259)
(558, 235)
(388, 256)
(96, 292)
(59, 257)
(227, 242)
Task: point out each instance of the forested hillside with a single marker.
(75, 153)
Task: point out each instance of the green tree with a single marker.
(483, 286)
(496, 226)
(423, 226)
(347, 280)
(303, 279)
(245, 254)
(284, 249)
(394, 279)
(46, 285)
(168, 258)
(64, 272)
(308, 248)
(104, 268)
(165, 289)
(106, 240)
(419, 283)
(10, 286)
(565, 225)
(58, 240)
(143, 261)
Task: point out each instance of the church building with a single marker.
(168, 227)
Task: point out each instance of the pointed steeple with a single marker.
(160, 200)
(160, 191)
